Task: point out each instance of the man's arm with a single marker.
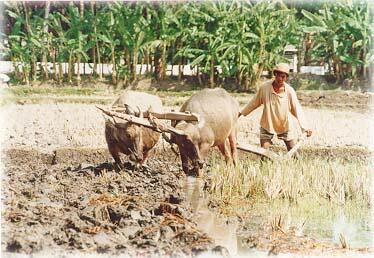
(253, 104)
(298, 112)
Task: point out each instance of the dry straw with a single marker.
(335, 180)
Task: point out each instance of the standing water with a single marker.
(215, 226)
(321, 222)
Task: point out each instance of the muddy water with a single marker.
(217, 227)
(321, 227)
(223, 230)
(323, 222)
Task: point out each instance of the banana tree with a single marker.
(107, 36)
(165, 31)
(207, 58)
(76, 39)
(132, 27)
(24, 41)
(256, 40)
(342, 33)
(272, 23)
(205, 37)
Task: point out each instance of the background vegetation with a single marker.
(242, 38)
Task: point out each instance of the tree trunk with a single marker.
(134, 63)
(94, 48)
(212, 73)
(46, 41)
(70, 68)
(163, 63)
(60, 72)
(99, 61)
(180, 70)
(246, 83)
(199, 76)
(114, 73)
(337, 68)
(80, 45)
(29, 32)
(17, 72)
(239, 76)
(363, 70)
(260, 69)
(141, 66)
(147, 70)
(26, 74)
(308, 49)
(53, 56)
(156, 63)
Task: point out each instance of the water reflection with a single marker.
(357, 233)
(214, 225)
(325, 222)
(320, 221)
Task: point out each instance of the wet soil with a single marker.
(70, 200)
(74, 200)
(339, 100)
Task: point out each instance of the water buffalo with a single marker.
(131, 139)
(217, 127)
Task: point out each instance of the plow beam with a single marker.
(122, 119)
(174, 115)
(257, 150)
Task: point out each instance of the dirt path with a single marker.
(51, 126)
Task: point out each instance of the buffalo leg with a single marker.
(233, 143)
(185, 166)
(224, 150)
(114, 151)
(145, 156)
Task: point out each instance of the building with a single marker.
(290, 52)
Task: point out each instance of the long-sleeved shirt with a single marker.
(277, 107)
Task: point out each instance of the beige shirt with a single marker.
(277, 107)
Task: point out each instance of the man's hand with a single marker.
(308, 132)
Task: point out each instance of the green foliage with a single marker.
(342, 35)
(240, 38)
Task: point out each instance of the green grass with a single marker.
(24, 91)
(101, 94)
(34, 95)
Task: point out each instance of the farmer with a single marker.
(279, 100)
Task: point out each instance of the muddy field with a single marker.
(75, 200)
(61, 193)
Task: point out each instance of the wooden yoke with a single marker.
(186, 116)
(139, 121)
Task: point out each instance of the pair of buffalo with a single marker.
(218, 112)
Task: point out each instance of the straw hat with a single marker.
(282, 67)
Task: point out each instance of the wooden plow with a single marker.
(120, 119)
(150, 120)
(270, 154)
(257, 150)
